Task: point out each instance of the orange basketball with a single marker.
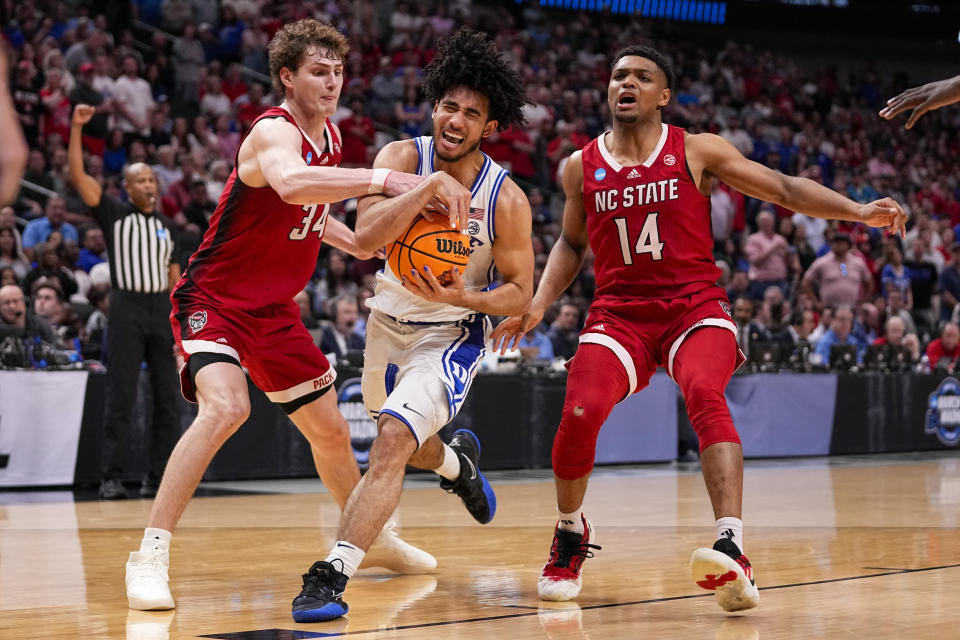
(429, 244)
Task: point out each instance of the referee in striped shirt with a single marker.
(142, 272)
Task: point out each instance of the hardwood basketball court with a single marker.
(842, 547)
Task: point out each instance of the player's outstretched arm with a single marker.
(339, 235)
(717, 157)
(270, 155)
(88, 188)
(381, 220)
(564, 262)
(928, 97)
(513, 255)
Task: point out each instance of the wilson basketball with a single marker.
(429, 244)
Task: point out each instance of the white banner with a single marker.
(40, 415)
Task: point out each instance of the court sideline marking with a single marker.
(314, 634)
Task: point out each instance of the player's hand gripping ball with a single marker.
(430, 244)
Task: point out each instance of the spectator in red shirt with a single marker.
(498, 149)
(358, 134)
(56, 106)
(233, 85)
(248, 109)
(521, 150)
(566, 142)
(944, 351)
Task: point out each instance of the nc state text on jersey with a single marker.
(637, 195)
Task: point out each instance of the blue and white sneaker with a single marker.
(477, 494)
(322, 596)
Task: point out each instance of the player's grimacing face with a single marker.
(460, 123)
(637, 88)
(317, 81)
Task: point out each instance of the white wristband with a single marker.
(378, 180)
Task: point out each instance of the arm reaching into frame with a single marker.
(928, 97)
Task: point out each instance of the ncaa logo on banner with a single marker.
(362, 428)
(943, 412)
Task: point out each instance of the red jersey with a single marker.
(259, 250)
(649, 225)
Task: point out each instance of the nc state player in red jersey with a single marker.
(234, 304)
(640, 196)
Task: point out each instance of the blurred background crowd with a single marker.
(177, 83)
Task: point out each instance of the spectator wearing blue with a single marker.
(93, 250)
(535, 345)
(896, 275)
(787, 150)
(840, 332)
(861, 190)
(867, 323)
(54, 220)
(950, 284)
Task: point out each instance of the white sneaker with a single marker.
(390, 552)
(727, 572)
(147, 580)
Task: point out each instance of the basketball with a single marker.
(429, 244)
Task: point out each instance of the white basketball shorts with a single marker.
(420, 373)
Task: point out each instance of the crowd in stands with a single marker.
(180, 94)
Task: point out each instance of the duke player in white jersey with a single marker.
(424, 340)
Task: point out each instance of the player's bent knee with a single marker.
(575, 445)
(394, 444)
(707, 407)
(329, 433)
(226, 410)
(710, 417)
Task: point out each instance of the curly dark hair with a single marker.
(470, 59)
(295, 40)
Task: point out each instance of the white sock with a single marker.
(450, 469)
(572, 521)
(731, 528)
(154, 539)
(350, 555)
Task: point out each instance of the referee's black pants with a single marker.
(138, 330)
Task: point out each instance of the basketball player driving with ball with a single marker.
(424, 340)
(234, 305)
(639, 197)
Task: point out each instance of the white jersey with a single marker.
(389, 295)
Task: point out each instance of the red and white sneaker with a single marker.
(560, 577)
(727, 572)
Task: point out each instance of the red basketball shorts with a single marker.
(271, 343)
(645, 334)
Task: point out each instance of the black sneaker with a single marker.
(322, 595)
(112, 489)
(477, 494)
(149, 486)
